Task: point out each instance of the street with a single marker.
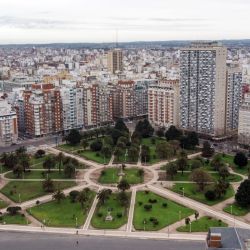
(24, 241)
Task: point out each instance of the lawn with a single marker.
(230, 160)
(116, 210)
(165, 215)
(3, 204)
(152, 148)
(38, 174)
(131, 175)
(236, 210)
(29, 189)
(109, 176)
(202, 225)
(94, 156)
(190, 190)
(186, 177)
(64, 214)
(17, 219)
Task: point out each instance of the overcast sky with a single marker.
(44, 21)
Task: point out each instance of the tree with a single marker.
(69, 170)
(145, 153)
(115, 134)
(160, 132)
(140, 172)
(182, 162)
(144, 128)
(73, 137)
(123, 185)
(196, 215)
(223, 172)
(133, 153)
(49, 163)
(196, 164)
(217, 162)
(242, 196)
(187, 221)
(173, 133)
(59, 159)
(84, 144)
(13, 210)
(240, 160)
(123, 199)
(207, 150)
(103, 195)
(201, 178)
(106, 150)
(175, 145)
(48, 185)
(39, 153)
(18, 170)
(171, 170)
(58, 196)
(193, 139)
(221, 188)
(21, 150)
(121, 126)
(24, 161)
(73, 195)
(118, 152)
(83, 197)
(163, 150)
(96, 145)
(10, 161)
(210, 195)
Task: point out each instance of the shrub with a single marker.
(96, 145)
(164, 204)
(146, 192)
(210, 195)
(99, 214)
(39, 153)
(13, 210)
(119, 215)
(37, 202)
(152, 201)
(140, 203)
(147, 207)
(73, 195)
(103, 172)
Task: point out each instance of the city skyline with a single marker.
(98, 21)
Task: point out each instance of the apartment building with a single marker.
(244, 121)
(8, 124)
(43, 110)
(163, 103)
(203, 88)
(234, 92)
(115, 62)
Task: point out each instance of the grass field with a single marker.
(202, 225)
(94, 156)
(131, 175)
(116, 209)
(165, 215)
(64, 214)
(190, 190)
(38, 175)
(3, 204)
(236, 210)
(29, 189)
(110, 176)
(17, 219)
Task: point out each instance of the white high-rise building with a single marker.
(8, 124)
(234, 92)
(203, 88)
(244, 122)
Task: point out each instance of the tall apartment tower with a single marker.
(234, 95)
(203, 88)
(115, 63)
(163, 103)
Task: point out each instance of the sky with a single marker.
(49, 21)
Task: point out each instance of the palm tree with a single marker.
(18, 170)
(83, 197)
(58, 196)
(48, 185)
(103, 195)
(25, 161)
(123, 185)
(69, 170)
(84, 144)
(49, 163)
(60, 158)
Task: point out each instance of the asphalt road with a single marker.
(23, 241)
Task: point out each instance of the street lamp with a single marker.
(144, 223)
(126, 154)
(19, 196)
(190, 228)
(231, 208)
(76, 222)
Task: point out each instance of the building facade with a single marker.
(8, 124)
(115, 62)
(163, 103)
(203, 88)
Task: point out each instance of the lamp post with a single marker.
(144, 223)
(126, 154)
(76, 223)
(231, 208)
(19, 197)
(190, 228)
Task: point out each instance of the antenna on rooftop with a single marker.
(116, 38)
